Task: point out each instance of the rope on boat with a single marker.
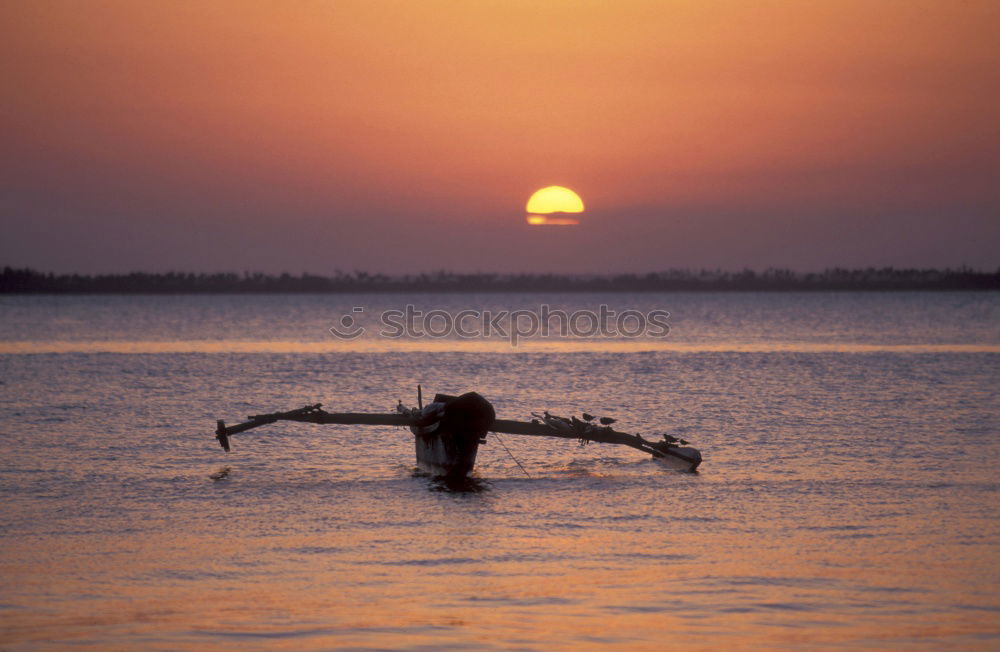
(497, 435)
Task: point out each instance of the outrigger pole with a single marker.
(584, 432)
(542, 426)
(314, 414)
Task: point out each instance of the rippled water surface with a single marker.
(848, 496)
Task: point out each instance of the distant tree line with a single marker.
(29, 281)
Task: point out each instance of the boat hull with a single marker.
(448, 447)
(446, 454)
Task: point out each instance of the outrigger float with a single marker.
(449, 430)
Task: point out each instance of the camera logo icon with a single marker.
(348, 328)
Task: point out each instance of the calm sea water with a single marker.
(848, 496)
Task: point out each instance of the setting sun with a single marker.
(553, 199)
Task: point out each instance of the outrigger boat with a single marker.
(448, 431)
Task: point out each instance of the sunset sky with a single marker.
(407, 136)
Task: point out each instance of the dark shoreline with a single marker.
(28, 281)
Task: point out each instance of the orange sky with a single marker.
(319, 135)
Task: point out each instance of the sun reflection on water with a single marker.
(417, 345)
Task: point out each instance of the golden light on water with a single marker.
(549, 206)
(494, 345)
